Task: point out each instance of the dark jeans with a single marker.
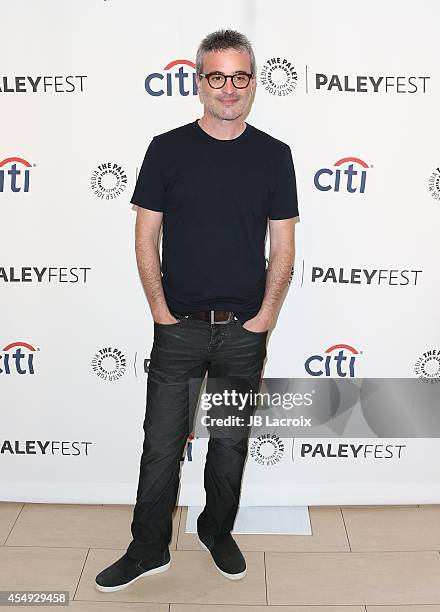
(182, 351)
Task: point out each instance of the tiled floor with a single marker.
(359, 559)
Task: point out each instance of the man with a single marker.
(213, 183)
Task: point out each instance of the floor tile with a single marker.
(427, 608)
(39, 568)
(117, 606)
(220, 608)
(380, 506)
(394, 528)
(9, 511)
(77, 526)
(95, 606)
(370, 578)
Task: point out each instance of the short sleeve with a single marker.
(149, 191)
(283, 202)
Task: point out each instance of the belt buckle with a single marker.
(212, 315)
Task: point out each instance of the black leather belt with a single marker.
(213, 316)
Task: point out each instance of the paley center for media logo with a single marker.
(338, 360)
(434, 184)
(14, 175)
(108, 181)
(17, 358)
(177, 78)
(279, 76)
(427, 366)
(267, 449)
(109, 363)
(348, 174)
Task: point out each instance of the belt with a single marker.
(213, 316)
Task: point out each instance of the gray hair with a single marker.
(222, 40)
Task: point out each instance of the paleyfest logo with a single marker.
(42, 84)
(382, 84)
(14, 175)
(338, 360)
(347, 174)
(178, 77)
(363, 276)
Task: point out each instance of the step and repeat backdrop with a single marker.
(354, 89)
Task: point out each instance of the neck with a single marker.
(222, 128)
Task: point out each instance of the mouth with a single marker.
(229, 102)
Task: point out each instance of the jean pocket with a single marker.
(180, 320)
(248, 331)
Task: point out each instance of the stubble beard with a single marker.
(225, 114)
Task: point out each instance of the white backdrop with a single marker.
(76, 120)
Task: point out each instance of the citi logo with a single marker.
(14, 174)
(338, 178)
(338, 360)
(17, 361)
(172, 81)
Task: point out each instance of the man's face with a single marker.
(227, 103)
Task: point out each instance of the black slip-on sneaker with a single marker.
(226, 555)
(126, 570)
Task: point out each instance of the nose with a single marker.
(228, 87)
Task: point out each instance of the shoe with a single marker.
(127, 570)
(226, 555)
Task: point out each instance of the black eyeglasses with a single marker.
(218, 80)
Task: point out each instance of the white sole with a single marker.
(155, 570)
(230, 576)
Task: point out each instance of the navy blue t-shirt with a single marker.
(216, 196)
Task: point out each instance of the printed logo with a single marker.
(370, 84)
(338, 360)
(279, 76)
(14, 175)
(172, 80)
(42, 84)
(108, 181)
(44, 447)
(18, 361)
(427, 367)
(348, 179)
(361, 276)
(267, 449)
(357, 451)
(28, 274)
(109, 364)
(434, 184)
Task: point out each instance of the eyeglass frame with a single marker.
(227, 76)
